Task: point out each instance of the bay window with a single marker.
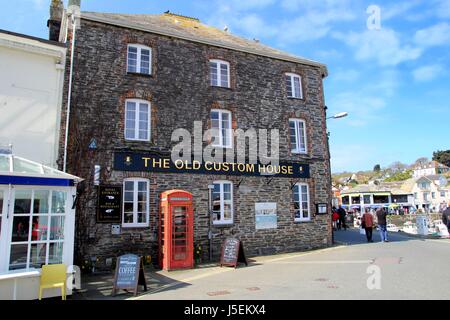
(139, 59)
(135, 203)
(300, 197)
(137, 120)
(221, 128)
(222, 202)
(294, 85)
(38, 223)
(219, 73)
(297, 132)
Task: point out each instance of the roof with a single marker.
(54, 43)
(13, 166)
(192, 29)
(431, 164)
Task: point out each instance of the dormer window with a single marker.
(219, 73)
(139, 59)
(294, 86)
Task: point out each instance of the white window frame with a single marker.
(5, 237)
(299, 200)
(135, 224)
(291, 77)
(137, 119)
(222, 221)
(220, 82)
(139, 48)
(297, 136)
(230, 130)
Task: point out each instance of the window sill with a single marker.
(135, 226)
(147, 75)
(302, 221)
(301, 153)
(295, 98)
(229, 88)
(223, 225)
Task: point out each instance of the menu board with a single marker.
(232, 253)
(129, 274)
(109, 204)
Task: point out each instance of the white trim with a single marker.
(300, 201)
(246, 49)
(230, 128)
(297, 136)
(135, 204)
(139, 48)
(292, 76)
(136, 119)
(220, 81)
(222, 221)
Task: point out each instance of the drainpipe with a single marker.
(69, 96)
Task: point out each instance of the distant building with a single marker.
(431, 192)
(431, 168)
(428, 194)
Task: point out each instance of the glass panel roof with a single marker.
(24, 167)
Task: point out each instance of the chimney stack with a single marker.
(54, 23)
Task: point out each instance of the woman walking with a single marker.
(367, 224)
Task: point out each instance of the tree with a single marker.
(442, 157)
(377, 168)
(398, 167)
(421, 161)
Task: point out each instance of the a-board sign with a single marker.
(129, 274)
(232, 253)
(109, 208)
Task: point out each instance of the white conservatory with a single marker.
(37, 222)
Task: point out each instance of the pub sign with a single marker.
(109, 208)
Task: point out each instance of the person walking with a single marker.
(367, 224)
(446, 218)
(382, 224)
(342, 213)
(335, 218)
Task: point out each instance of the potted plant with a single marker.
(198, 254)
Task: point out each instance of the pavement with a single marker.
(404, 268)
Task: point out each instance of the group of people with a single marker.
(367, 222)
(339, 216)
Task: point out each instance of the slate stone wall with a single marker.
(180, 93)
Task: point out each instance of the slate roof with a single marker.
(192, 29)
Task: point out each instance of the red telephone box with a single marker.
(176, 230)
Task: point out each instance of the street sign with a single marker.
(232, 253)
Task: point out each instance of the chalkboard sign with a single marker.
(232, 253)
(109, 204)
(129, 274)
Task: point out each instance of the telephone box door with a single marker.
(177, 227)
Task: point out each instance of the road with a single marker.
(405, 268)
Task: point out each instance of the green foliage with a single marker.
(400, 176)
(377, 168)
(442, 157)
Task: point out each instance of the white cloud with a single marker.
(349, 75)
(427, 73)
(255, 26)
(443, 8)
(438, 34)
(398, 9)
(381, 45)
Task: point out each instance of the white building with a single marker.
(431, 192)
(429, 169)
(31, 86)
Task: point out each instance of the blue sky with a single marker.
(394, 82)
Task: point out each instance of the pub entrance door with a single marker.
(176, 230)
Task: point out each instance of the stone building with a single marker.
(137, 78)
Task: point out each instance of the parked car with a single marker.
(392, 228)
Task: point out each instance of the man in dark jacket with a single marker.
(382, 224)
(446, 218)
(342, 213)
